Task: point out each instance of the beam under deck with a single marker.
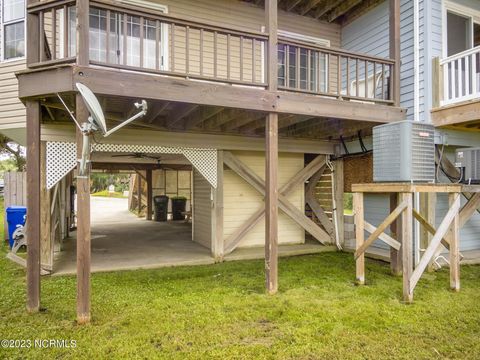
(114, 82)
(462, 116)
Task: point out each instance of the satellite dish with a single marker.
(97, 118)
(96, 121)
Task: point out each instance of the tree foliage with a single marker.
(14, 151)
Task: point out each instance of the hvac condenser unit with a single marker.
(404, 151)
(468, 160)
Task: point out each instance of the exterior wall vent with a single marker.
(404, 151)
(468, 160)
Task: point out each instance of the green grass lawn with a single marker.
(106, 193)
(221, 311)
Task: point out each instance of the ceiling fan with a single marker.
(140, 155)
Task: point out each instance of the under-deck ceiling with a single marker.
(184, 117)
(339, 11)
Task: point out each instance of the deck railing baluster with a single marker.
(228, 57)
(107, 42)
(187, 50)
(201, 52)
(215, 54)
(41, 19)
(241, 58)
(157, 44)
(54, 33)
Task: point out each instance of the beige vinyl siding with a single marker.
(239, 16)
(241, 200)
(202, 215)
(12, 111)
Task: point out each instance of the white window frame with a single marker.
(164, 49)
(460, 10)
(2, 35)
(300, 37)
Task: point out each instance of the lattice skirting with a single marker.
(62, 158)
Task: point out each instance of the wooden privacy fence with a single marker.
(446, 234)
(15, 192)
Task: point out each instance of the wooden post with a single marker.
(454, 245)
(83, 47)
(148, 175)
(33, 205)
(139, 193)
(33, 40)
(395, 48)
(396, 233)
(359, 236)
(83, 226)
(218, 245)
(271, 158)
(407, 246)
(339, 191)
(437, 83)
(427, 210)
(46, 243)
(271, 204)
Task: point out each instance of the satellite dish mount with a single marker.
(96, 122)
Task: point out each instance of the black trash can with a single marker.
(179, 204)
(161, 207)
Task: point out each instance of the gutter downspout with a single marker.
(416, 101)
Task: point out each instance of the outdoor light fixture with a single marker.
(96, 121)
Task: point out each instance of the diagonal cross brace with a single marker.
(284, 204)
(432, 248)
(381, 228)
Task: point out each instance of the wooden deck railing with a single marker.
(334, 72)
(460, 77)
(127, 37)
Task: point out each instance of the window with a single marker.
(301, 68)
(12, 30)
(98, 39)
(461, 26)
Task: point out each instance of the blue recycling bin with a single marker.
(16, 215)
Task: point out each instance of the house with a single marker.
(251, 95)
(439, 85)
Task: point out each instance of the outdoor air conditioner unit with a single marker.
(404, 151)
(468, 160)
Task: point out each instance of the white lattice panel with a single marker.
(61, 159)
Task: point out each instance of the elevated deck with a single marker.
(204, 77)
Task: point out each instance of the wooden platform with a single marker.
(400, 220)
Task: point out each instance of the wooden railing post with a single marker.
(395, 49)
(33, 205)
(271, 159)
(437, 82)
(359, 236)
(407, 245)
(83, 47)
(33, 38)
(396, 233)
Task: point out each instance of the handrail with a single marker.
(334, 51)
(460, 74)
(460, 55)
(167, 18)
